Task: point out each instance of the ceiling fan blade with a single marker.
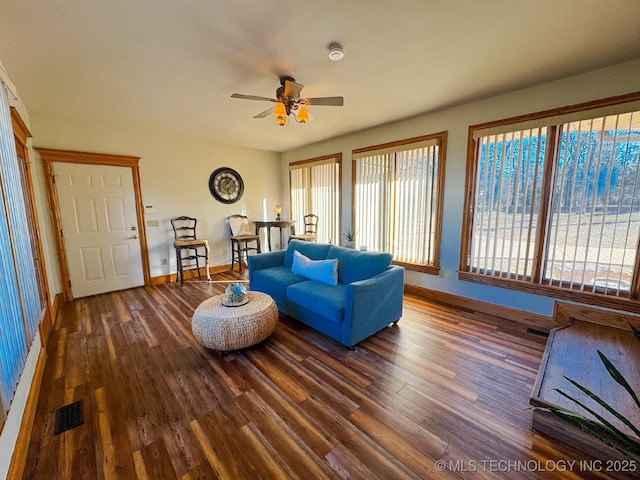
(331, 101)
(292, 89)
(266, 113)
(252, 97)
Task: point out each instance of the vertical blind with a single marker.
(373, 201)
(508, 193)
(585, 234)
(396, 201)
(315, 188)
(20, 307)
(594, 226)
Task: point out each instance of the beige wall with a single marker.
(174, 174)
(620, 79)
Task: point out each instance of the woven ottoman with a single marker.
(224, 328)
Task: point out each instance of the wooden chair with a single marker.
(241, 237)
(310, 229)
(185, 240)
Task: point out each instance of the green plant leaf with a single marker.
(636, 332)
(610, 428)
(583, 424)
(350, 235)
(617, 376)
(610, 435)
(605, 405)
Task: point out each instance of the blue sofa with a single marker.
(366, 298)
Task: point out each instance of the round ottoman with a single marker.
(230, 328)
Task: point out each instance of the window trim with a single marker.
(630, 303)
(21, 135)
(440, 139)
(23, 310)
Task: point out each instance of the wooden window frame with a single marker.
(441, 137)
(533, 284)
(25, 295)
(21, 135)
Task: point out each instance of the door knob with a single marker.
(133, 237)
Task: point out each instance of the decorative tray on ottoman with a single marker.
(235, 296)
(235, 303)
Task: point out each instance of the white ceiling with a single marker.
(171, 65)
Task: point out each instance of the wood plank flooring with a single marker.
(441, 385)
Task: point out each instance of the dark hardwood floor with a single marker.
(441, 385)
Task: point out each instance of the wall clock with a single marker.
(226, 185)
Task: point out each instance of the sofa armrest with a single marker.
(265, 260)
(373, 303)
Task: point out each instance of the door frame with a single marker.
(49, 156)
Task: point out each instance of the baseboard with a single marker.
(19, 458)
(160, 279)
(526, 319)
(55, 307)
(44, 327)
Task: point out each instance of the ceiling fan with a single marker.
(288, 101)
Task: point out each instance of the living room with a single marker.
(177, 155)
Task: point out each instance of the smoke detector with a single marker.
(336, 52)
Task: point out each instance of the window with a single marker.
(315, 188)
(554, 199)
(20, 306)
(397, 204)
(21, 134)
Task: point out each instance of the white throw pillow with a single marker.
(325, 271)
(239, 226)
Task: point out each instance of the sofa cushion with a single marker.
(323, 299)
(275, 280)
(312, 250)
(356, 265)
(325, 271)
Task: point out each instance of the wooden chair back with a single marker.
(184, 228)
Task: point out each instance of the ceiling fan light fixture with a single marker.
(336, 52)
(303, 115)
(289, 101)
(280, 113)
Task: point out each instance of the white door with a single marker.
(100, 227)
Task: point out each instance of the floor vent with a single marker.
(68, 417)
(540, 333)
